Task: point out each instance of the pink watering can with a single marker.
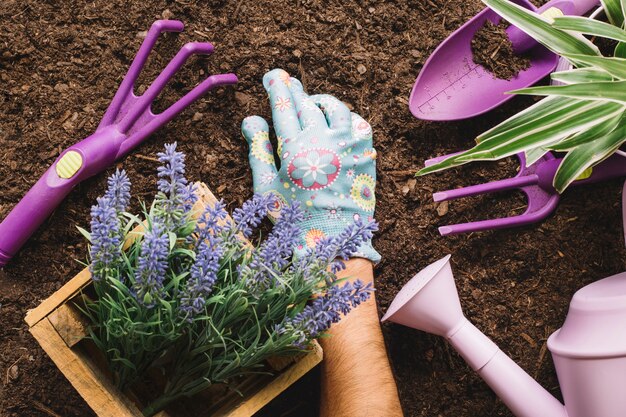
(589, 351)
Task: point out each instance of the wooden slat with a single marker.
(248, 406)
(69, 323)
(59, 297)
(100, 393)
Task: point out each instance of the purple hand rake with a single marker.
(535, 181)
(127, 122)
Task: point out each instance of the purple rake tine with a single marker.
(541, 202)
(501, 185)
(134, 70)
(160, 82)
(174, 109)
(530, 216)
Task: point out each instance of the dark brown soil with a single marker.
(492, 49)
(61, 62)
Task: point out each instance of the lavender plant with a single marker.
(190, 299)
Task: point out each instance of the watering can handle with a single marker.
(75, 164)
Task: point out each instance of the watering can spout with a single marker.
(430, 302)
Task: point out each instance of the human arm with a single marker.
(356, 377)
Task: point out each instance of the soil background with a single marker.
(61, 62)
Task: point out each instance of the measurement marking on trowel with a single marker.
(467, 75)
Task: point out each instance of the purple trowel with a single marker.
(451, 86)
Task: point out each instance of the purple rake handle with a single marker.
(127, 122)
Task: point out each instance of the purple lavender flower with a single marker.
(105, 238)
(209, 222)
(276, 252)
(202, 277)
(118, 190)
(317, 317)
(332, 249)
(252, 212)
(349, 241)
(179, 195)
(152, 264)
(279, 245)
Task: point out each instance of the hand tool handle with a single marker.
(76, 163)
(583, 6)
(612, 167)
(32, 210)
(522, 42)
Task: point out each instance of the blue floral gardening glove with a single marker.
(327, 161)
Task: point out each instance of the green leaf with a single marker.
(580, 75)
(590, 27)
(606, 91)
(614, 66)
(613, 10)
(535, 154)
(620, 50)
(588, 155)
(572, 113)
(586, 135)
(514, 142)
(541, 30)
(85, 233)
(542, 109)
(172, 236)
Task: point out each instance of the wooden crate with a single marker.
(60, 329)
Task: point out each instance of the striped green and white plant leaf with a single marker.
(587, 155)
(585, 136)
(585, 118)
(581, 75)
(590, 27)
(510, 143)
(602, 91)
(616, 67)
(615, 12)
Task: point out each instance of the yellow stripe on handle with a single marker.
(69, 164)
(585, 174)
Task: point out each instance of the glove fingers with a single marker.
(337, 114)
(361, 130)
(309, 114)
(261, 155)
(286, 124)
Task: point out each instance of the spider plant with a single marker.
(584, 117)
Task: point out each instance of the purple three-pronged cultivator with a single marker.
(535, 181)
(127, 122)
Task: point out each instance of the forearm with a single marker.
(356, 377)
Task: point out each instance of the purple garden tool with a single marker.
(536, 182)
(127, 122)
(451, 86)
(589, 350)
